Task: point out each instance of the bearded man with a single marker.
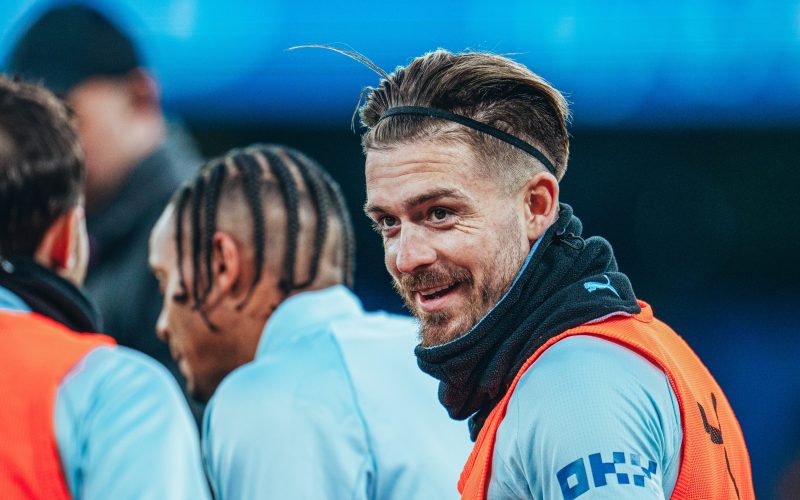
(571, 385)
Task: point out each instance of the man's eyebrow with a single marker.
(372, 209)
(419, 200)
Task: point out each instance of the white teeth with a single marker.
(431, 291)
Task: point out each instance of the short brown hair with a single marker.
(489, 88)
(41, 165)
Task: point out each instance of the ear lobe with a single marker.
(60, 251)
(64, 247)
(541, 204)
(226, 263)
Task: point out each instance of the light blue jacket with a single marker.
(333, 406)
(590, 419)
(122, 427)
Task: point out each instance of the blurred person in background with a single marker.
(134, 160)
(312, 396)
(533, 332)
(79, 416)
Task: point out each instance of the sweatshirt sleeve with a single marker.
(590, 419)
(124, 431)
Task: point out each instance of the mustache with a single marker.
(430, 278)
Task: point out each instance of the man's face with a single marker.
(102, 109)
(454, 240)
(201, 354)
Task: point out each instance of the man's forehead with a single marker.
(410, 170)
(161, 235)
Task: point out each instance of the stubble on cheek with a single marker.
(500, 269)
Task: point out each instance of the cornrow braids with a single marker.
(337, 201)
(288, 189)
(349, 243)
(215, 179)
(256, 168)
(200, 187)
(250, 170)
(197, 201)
(321, 200)
(182, 197)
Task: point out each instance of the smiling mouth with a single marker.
(434, 293)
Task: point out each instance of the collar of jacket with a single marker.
(50, 295)
(302, 314)
(555, 290)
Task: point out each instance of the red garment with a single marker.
(35, 355)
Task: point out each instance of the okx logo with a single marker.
(626, 469)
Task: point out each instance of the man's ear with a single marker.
(226, 262)
(540, 199)
(143, 90)
(64, 247)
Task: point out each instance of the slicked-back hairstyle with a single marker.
(265, 178)
(41, 165)
(488, 88)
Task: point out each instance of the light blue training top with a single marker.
(122, 428)
(333, 406)
(590, 419)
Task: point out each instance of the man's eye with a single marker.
(387, 222)
(181, 297)
(439, 214)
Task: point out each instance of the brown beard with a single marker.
(433, 325)
(440, 327)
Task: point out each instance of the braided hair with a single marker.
(253, 173)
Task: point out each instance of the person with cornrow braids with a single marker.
(310, 396)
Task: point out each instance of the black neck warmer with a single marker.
(566, 282)
(50, 295)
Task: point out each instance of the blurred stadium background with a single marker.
(685, 149)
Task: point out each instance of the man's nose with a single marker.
(414, 250)
(162, 326)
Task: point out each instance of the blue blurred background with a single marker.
(685, 148)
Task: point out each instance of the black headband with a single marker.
(469, 122)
